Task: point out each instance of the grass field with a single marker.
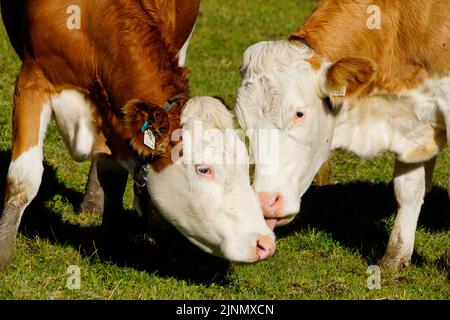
(342, 229)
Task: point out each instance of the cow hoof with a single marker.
(394, 263)
(93, 199)
(91, 207)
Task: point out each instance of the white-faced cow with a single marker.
(341, 82)
(116, 90)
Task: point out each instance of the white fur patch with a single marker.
(409, 185)
(73, 114)
(273, 56)
(25, 172)
(406, 124)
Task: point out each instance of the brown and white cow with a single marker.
(341, 83)
(116, 90)
(179, 33)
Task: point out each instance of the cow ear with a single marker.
(147, 124)
(348, 77)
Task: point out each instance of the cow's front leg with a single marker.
(32, 113)
(410, 187)
(93, 197)
(112, 178)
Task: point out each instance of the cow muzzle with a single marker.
(272, 207)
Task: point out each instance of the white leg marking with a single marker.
(26, 171)
(73, 113)
(409, 185)
(24, 179)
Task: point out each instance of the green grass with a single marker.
(343, 227)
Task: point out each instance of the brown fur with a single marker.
(125, 51)
(31, 87)
(412, 44)
(353, 73)
(175, 19)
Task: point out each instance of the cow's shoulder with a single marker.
(411, 45)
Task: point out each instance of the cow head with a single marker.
(202, 186)
(285, 89)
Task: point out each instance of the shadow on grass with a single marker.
(356, 215)
(168, 255)
(353, 214)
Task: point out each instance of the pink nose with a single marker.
(265, 247)
(270, 204)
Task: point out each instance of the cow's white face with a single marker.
(281, 90)
(207, 198)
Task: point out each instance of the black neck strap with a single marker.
(173, 101)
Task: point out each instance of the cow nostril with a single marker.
(271, 200)
(262, 246)
(271, 204)
(265, 247)
(277, 199)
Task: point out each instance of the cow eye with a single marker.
(204, 170)
(298, 117)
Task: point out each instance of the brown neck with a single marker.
(149, 74)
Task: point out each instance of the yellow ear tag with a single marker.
(339, 92)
